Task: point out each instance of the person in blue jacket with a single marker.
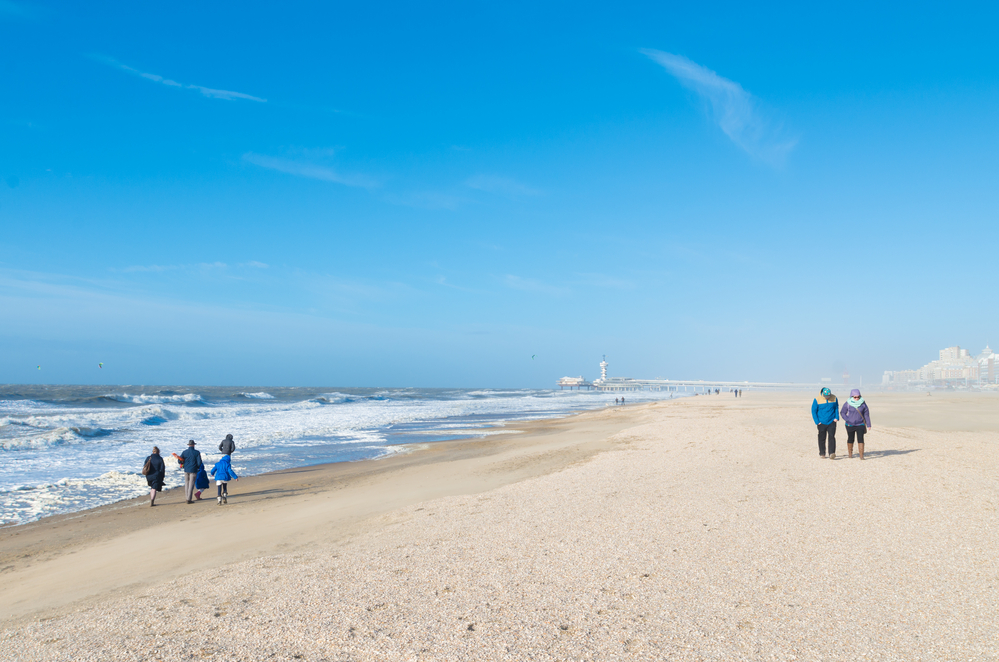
(223, 474)
(191, 461)
(825, 415)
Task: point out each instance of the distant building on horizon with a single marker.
(955, 367)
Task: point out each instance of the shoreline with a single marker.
(35, 551)
(50, 472)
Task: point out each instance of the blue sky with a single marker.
(395, 194)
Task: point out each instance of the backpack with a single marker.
(147, 468)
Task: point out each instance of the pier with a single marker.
(621, 384)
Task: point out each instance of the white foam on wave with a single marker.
(25, 503)
(56, 437)
(269, 433)
(331, 399)
(258, 396)
(143, 399)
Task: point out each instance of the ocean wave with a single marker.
(7, 420)
(332, 399)
(144, 399)
(56, 437)
(262, 395)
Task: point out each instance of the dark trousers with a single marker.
(830, 430)
(223, 488)
(857, 430)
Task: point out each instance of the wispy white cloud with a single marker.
(737, 112)
(501, 185)
(532, 285)
(309, 170)
(209, 92)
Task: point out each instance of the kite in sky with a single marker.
(39, 367)
(532, 356)
(100, 365)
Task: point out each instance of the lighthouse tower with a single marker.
(603, 369)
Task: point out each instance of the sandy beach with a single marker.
(694, 529)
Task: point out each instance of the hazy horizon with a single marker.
(474, 196)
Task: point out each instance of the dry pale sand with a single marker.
(708, 529)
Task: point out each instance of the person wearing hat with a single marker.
(857, 418)
(825, 415)
(192, 465)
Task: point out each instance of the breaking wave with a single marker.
(56, 437)
(144, 399)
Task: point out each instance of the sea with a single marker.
(68, 448)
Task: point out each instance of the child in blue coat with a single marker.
(223, 474)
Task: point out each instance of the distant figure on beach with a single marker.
(857, 418)
(201, 483)
(616, 401)
(227, 446)
(156, 475)
(622, 400)
(223, 474)
(192, 464)
(825, 416)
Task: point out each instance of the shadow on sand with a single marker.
(265, 493)
(875, 454)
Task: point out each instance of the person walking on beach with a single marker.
(825, 415)
(223, 474)
(857, 418)
(155, 470)
(192, 464)
(227, 446)
(201, 483)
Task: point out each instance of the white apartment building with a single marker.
(955, 366)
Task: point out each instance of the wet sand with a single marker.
(704, 528)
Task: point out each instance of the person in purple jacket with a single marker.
(857, 417)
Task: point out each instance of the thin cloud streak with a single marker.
(211, 93)
(736, 111)
(308, 170)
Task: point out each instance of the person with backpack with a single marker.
(227, 446)
(223, 474)
(154, 469)
(192, 464)
(857, 417)
(825, 415)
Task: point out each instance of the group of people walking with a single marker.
(856, 415)
(195, 476)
